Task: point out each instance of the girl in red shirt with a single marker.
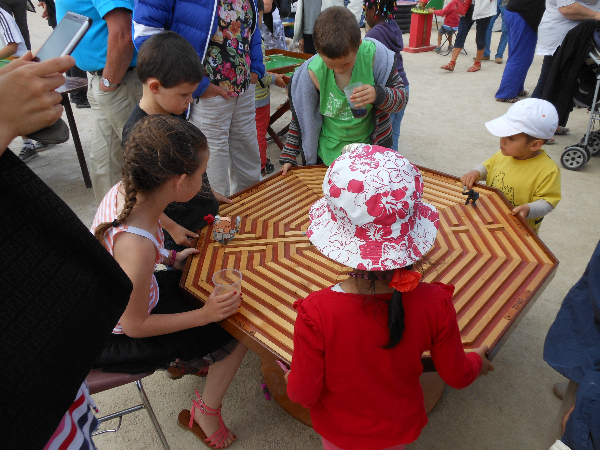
(358, 345)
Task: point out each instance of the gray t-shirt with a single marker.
(312, 9)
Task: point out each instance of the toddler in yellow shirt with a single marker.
(522, 170)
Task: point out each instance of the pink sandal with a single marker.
(476, 67)
(186, 420)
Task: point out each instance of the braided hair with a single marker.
(159, 147)
(383, 8)
(395, 307)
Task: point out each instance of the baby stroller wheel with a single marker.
(595, 145)
(573, 158)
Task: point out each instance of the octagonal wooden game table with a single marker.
(498, 265)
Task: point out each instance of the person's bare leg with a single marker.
(450, 40)
(456, 52)
(220, 375)
(439, 40)
(479, 55)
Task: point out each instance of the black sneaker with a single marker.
(28, 152)
(41, 146)
(269, 168)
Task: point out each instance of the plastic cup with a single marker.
(227, 280)
(357, 113)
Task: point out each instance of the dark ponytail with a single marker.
(395, 319)
(395, 306)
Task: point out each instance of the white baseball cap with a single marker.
(533, 116)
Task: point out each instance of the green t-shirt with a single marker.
(339, 125)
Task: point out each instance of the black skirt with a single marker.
(124, 354)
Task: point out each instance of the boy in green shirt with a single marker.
(322, 121)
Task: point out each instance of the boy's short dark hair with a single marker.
(531, 138)
(170, 58)
(336, 33)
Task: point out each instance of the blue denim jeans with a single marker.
(503, 37)
(396, 119)
(464, 26)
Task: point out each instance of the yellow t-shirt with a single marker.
(524, 181)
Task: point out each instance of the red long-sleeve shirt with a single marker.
(451, 12)
(360, 395)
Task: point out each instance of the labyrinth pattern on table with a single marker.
(493, 259)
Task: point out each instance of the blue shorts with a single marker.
(446, 29)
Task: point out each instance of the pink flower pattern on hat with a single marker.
(371, 216)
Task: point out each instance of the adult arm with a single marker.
(181, 235)
(119, 51)
(576, 11)
(256, 56)
(150, 17)
(306, 377)
(29, 100)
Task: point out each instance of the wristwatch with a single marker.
(107, 83)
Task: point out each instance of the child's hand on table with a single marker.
(486, 365)
(285, 168)
(221, 198)
(220, 307)
(363, 95)
(182, 236)
(523, 210)
(182, 256)
(470, 178)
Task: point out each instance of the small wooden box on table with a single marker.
(498, 265)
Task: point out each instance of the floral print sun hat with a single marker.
(371, 216)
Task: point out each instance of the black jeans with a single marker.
(546, 65)
(18, 8)
(465, 24)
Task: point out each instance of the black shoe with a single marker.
(83, 104)
(55, 134)
(269, 168)
(28, 152)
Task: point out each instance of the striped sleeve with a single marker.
(291, 150)
(393, 97)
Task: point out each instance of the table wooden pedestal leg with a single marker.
(273, 376)
(431, 382)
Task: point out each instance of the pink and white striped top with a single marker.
(107, 212)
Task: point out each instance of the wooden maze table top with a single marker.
(496, 262)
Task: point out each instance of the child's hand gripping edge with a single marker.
(486, 365)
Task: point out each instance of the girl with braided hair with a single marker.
(165, 159)
(379, 15)
(358, 344)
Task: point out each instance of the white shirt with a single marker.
(9, 33)
(554, 26)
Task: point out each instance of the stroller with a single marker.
(576, 156)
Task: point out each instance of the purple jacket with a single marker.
(389, 34)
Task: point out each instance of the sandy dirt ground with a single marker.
(443, 129)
